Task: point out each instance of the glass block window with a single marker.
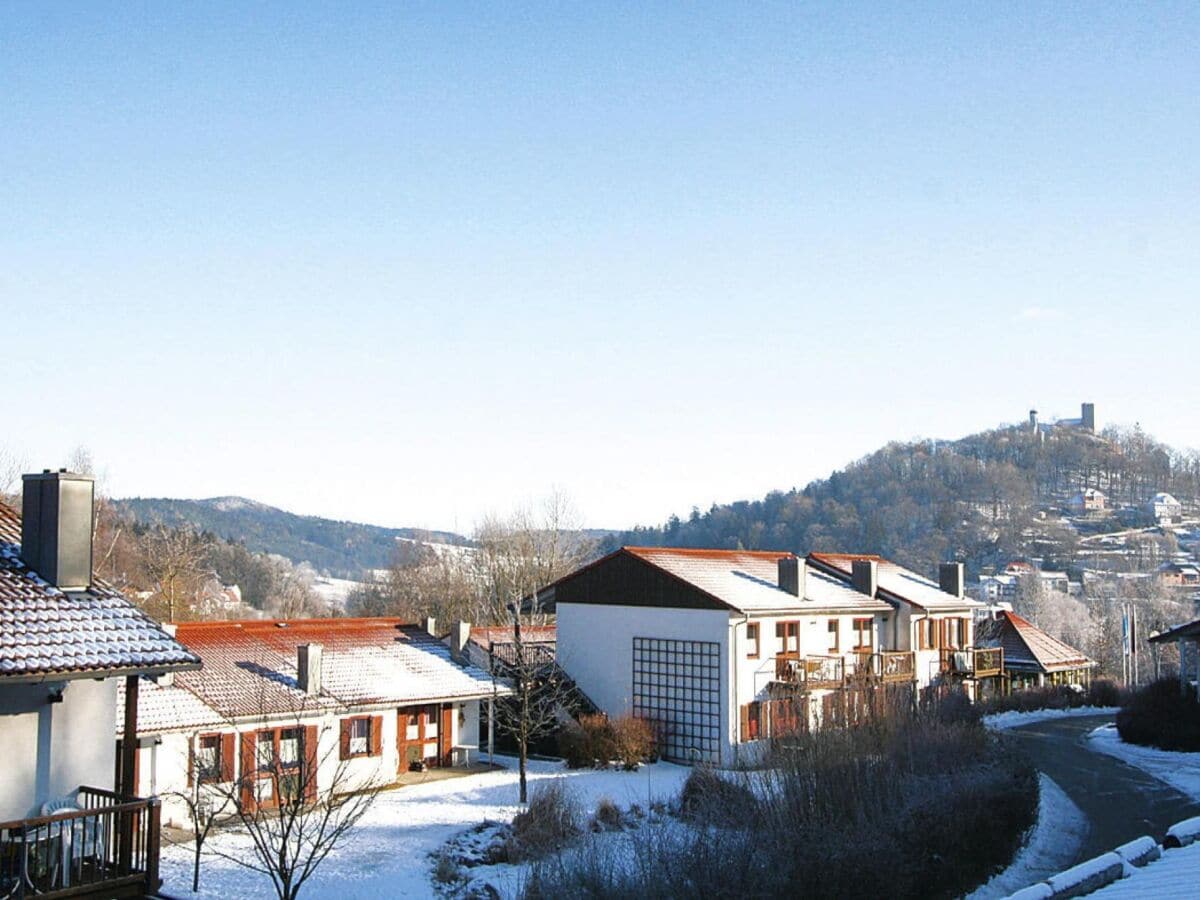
(677, 687)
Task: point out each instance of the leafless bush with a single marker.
(552, 820)
(608, 816)
(904, 806)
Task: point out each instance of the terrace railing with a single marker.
(811, 672)
(973, 662)
(106, 848)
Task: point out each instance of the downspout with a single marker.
(735, 714)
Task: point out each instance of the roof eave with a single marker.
(96, 674)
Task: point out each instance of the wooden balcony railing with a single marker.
(107, 848)
(888, 666)
(811, 672)
(973, 662)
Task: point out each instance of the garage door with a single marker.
(677, 685)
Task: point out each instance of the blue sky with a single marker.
(412, 263)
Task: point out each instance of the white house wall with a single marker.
(595, 647)
(51, 749)
(163, 759)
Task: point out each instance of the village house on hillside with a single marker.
(366, 700)
(1165, 509)
(1179, 573)
(1089, 500)
(724, 649)
(69, 646)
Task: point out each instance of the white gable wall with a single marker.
(595, 647)
(51, 749)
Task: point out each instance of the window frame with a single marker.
(754, 639)
(204, 775)
(781, 634)
(834, 628)
(864, 626)
(368, 738)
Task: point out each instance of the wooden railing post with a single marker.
(153, 838)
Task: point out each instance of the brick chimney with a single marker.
(56, 527)
(950, 578)
(792, 571)
(308, 668)
(864, 576)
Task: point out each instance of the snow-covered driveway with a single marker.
(387, 854)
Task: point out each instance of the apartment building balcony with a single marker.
(94, 845)
(810, 673)
(972, 662)
(888, 666)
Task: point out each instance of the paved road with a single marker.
(1120, 801)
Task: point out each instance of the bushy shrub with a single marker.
(597, 740)
(1104, 692)
(632, 741)
(1161, 715)
(552, 819)
(589, 742)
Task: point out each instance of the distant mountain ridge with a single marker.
(343, 549)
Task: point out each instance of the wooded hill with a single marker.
(342, 549)
(982, 499)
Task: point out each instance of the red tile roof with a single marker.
(48, 633)
(250, 668)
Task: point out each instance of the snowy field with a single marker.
(1180, 770)
(388, 854)
(1049, 847)
(1006, 720)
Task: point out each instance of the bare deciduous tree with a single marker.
(175, 560)
(293, 817)
(540, 691)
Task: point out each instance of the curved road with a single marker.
(1120, 801)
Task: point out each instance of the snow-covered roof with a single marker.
(896, 582)
(250, 668)
(1028, 647)
(166, 708)
(748, 581)
(49, 633)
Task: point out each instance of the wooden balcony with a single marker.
(973, 662)
(894, 666)
(811, 673)
(106, 848)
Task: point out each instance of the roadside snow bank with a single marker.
(1014, 719)
(1051, 844)
(1176, 874)
(1180, 770)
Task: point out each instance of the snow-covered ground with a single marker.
(1177, 874)
(1005, 720)
(1180, 770)
(388, 853)
(1049, 847)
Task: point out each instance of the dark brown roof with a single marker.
(47, 633)
(1187, 630)
(1027, 647)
